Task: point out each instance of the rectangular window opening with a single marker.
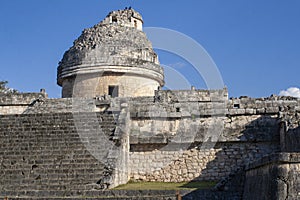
(113, 90)
(236, 105)
(135, 23)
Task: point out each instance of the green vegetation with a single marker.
(2, 85)
(5, 89)
(166, 186)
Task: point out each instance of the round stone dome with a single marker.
(116, 48)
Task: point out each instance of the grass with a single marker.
(166, 186)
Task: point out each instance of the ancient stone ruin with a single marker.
(112, 58)
(115, 124)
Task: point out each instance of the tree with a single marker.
(2, 85)
(6, 90)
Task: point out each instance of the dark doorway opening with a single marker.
(135, 23)
(113, 90)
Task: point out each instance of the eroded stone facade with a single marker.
(120, 126)
(113, 84)
(18, 103)
(114, 55)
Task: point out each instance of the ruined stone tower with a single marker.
(74, 149)
(112, 58)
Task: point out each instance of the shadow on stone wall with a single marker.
(292, 140)
(259, 138)
(276, 176)
(44, 155)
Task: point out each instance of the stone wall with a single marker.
(91, 85)
(127, 17)
(18, 103)
(64, 105)
(184, 136)
(173, 164)
(165, 149)
(162, 138)
(274, 177)
(292, 140)
(116, 46)
(191, 95)
(54, 153)
(290, 131)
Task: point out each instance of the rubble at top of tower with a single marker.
(123, 17)
(118, 40)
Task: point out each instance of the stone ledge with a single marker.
(122, 194)
(20, 98)
(275, 158)
(90, 193)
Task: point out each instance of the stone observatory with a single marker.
(114, 58)
(77, 148)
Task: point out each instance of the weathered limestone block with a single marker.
(17, 103)
(113, 58)
(274, 177)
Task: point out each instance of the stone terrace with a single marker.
(43, 155)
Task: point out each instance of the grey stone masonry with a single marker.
(207, 103)
(62, 105)
(67, 145)
(169, 135)
(111, 44)
(53, 153)
(17, 103)
(20, 98)
(121, 126)
(290, 130)
(274, 177)
(181, 96)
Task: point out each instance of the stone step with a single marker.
(47, 153)
(80, 144)
(61, 172)
(32, 182)
(79, 153)
(54, 142)
(51, 131)
(91, 194)
(22, 167)
(100, 197)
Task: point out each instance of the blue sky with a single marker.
(255, 44)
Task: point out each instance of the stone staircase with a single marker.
(62, 156)
(106, 195)
(45, 155)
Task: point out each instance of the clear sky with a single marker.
(255, 44)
